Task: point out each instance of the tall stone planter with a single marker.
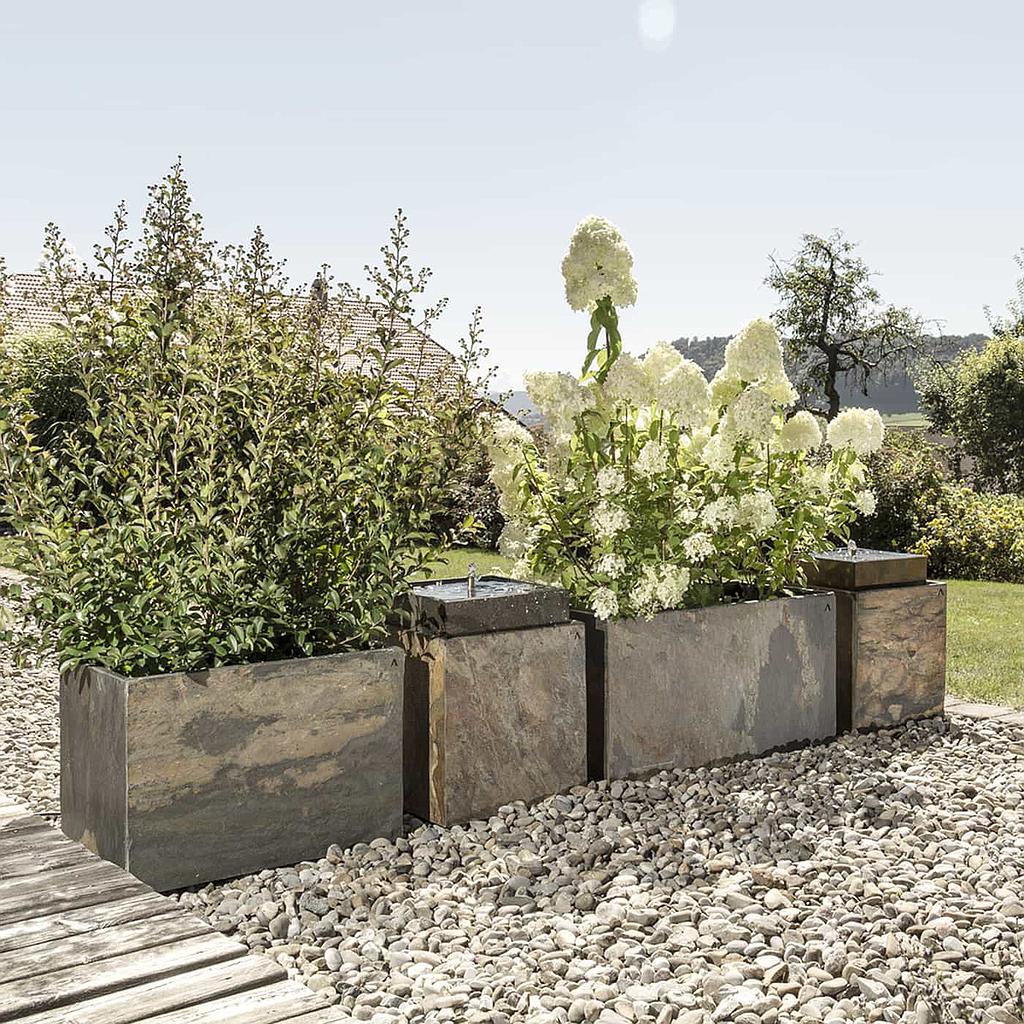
(693, 687)
(187, 778)
(495, 698)
(891, 629)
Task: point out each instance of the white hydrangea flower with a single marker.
(686, 514)
(507, 441)
(800, 433)
(864, 502)
(605, 603)
(610, 481)
(698, 546)
(652, 460)
(516, 539)
(660, 361)
(558, 397)
(598, 264)
(608, 520)
(757, 511)
(780, 390)
(627, 381)
(755, 353)
(720, 513)
(860, 429)
(685, 393)
(672, 585)
(610, 565)
(751, 414)
(644, 595)
(718, 454)
(724, 388)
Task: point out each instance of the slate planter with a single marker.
(188, 778)
(891, 631)
(699, 686)
(493, 714)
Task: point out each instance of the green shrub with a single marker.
(979, 400)
(975, 536)
(906, 476)
(229, 492)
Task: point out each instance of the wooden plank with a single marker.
(59, 988)
(32, 931)
(284, 1001)
(146, 1001)
(81, 893)
(13, 830)
(95, 871)
(100, 944)
(34, 862)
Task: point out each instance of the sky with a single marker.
(711, 134)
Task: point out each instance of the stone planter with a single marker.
(694, 687)
(891, 632)
(495, 698)
(187, 778)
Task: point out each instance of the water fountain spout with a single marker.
(471, 580)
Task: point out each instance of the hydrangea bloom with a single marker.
(718, 454)
(610, 565)
(780, 390)
(652, 460)
(865, 502)
(684, 392)
(724, 388)
(860, 429)
(507, 440)
(672, 586)
(610, 481)
(559, 398)
(598, 265)
(720, 513)
(627, 381)
(755, 353)
(800, 433)
(660, 361)
(608, 520)
(698, 546)
(605, 603)
(658, 588)
(750, 416)
(757, 511)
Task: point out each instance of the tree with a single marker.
(978, 399)
(834, 323)
(1011, 325)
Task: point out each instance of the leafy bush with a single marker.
(231, 492)
(978, 399)
(38, 371)
(471, 514)
(656, 490)
(906, 476)
(975, 536)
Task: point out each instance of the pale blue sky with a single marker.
(498, 126)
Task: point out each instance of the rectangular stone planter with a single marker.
(693, 687)
(188, 778)
(891, 631)
(493, 716)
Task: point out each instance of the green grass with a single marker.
(985, 644)
(455, 562)
(907, 420)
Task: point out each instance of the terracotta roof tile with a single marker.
(30, 305)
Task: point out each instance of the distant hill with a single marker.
(894, 395)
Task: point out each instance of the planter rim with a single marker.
(388, 650)
(794, 594)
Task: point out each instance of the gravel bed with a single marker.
(29, 734)
(875, 878)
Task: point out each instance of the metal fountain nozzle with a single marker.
(851, 548)
(471, 580)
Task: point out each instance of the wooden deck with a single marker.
(83, 942)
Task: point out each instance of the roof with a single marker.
(31, 305)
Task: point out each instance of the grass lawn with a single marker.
(456, 563)
(908, 420)
(985, 645)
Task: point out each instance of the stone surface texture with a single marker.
(494, 718)
(697, 686)
(892, 655)
(186, 778)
